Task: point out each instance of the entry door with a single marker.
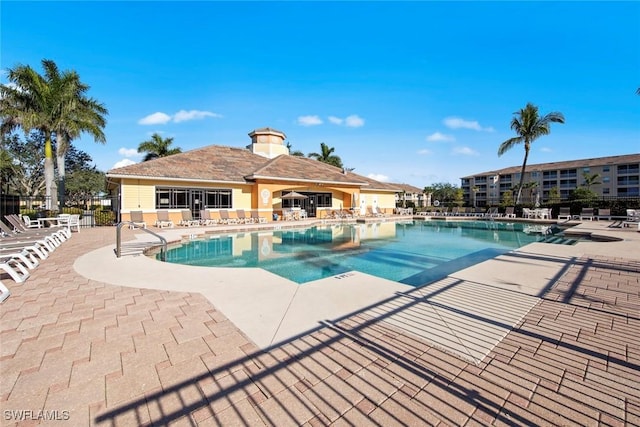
(197, 203)
(310, 204)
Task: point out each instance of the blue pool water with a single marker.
(410, 252)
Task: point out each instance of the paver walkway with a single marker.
(89, 353)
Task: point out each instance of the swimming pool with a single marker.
(408, 252)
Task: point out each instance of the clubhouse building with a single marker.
(261, 177)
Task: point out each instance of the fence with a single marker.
(93, 211)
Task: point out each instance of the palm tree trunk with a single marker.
(61, 178)
(524, 165)
(48, 171)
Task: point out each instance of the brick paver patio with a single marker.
(90, 353)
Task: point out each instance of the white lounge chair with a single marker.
(587, 213)
(187, 219)
(163, 220)
(137, 219)
(30, 224)
(565, 212)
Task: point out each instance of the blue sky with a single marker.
(413, 92)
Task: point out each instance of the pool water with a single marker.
(409, 252)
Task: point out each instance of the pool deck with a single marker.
(543, 335)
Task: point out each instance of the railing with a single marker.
(163, 241)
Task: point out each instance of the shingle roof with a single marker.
(230, 164)
(214, 163)
(408, 188)
(570, 164)
(302, 168)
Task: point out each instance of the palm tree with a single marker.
(590, 180)
(326, 156)
(529, 126)
(54, 104)
(156, 147)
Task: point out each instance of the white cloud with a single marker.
(437, 136)
(155, 119)
(309, 120)
(465, 151)
(124, 162)
(184, 115)
(378, 177)
(354, 121)
(336, 120)
(459, 123)
(424, 152)
(160, 118)
(129, 152)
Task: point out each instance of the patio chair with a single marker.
(565, 213)
(163, 220)
(205, 218)
(587, 213)
(35, 248)
(74, 221)
(19, 230)
(136, 219)
(4, 292)
(633, 218)
(226, 219)
(187, 219)
(255, 215)
(14, 266)
(604, 214)
(527, 213)
(30, 224)
(242, 217)
(510, 212)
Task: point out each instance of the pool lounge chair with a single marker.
(257, 219)
(565, 213)
(14, 267)
(510, 212)
(55, 236)
(205, 218)
(226, 219)
(136, 220)
(242, 217)
(163, 220)
(604, 214)
(4, 292)
(187, 219)
(587, 213)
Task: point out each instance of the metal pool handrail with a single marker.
(163, 241)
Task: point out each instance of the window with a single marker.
(586, 170)
(605, 169)
(184, 198)
(605, 179)
(605, 190)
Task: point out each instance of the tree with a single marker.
(590, 180)
(529, 126)
(554, 195)
(28, 161)
(583, 194)
(83, 184)
(157, 147)
(54, 104)
(326, 156)
(296, 153)
(444, 192)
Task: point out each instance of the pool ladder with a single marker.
(163, 241)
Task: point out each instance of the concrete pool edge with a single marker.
(269, 309)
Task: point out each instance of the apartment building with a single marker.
(409, 193)
(619, 176)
